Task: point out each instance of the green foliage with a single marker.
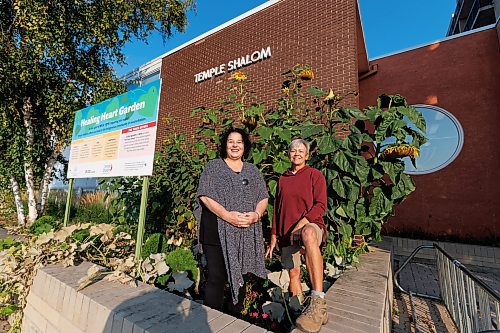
(91, 213)
(125, 199)
(364, 185)
(7, 310)
(182, 259)
(348, 144)
(43, 224)
(7, 243)
(156, 243)
(80, 236)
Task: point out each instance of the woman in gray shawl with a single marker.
(232, 197)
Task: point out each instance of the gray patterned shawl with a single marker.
(243, 248)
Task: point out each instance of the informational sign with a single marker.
(116, 137)
(234, 64)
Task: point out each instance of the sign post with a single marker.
(142, 218)
(116, 138)
(68, 202)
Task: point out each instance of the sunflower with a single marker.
(285, 90)
(398, 151)
(240, 76)
(306, 74)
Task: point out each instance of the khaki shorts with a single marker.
(290, 255)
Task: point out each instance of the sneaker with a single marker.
(313, 316)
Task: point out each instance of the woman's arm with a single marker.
(319, 202)
(252, 217)
(318, 208)
(234, 218)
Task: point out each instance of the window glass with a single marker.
(445, 135)
(150, 78)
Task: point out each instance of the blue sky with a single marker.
(389, 26)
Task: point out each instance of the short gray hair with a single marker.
(298, 142)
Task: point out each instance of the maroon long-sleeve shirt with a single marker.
(299, 195)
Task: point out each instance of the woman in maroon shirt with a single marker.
(298, 224)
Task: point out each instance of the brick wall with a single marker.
(462, 76)
(317, 32)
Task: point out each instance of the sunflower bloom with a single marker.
(240, 76)
(285, 90)
(306, 74)
(399, 151)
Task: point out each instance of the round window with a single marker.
(446, 138)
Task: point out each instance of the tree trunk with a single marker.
(28, 161)
(47, 178)
(21, 218)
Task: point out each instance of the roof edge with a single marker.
(470, 32)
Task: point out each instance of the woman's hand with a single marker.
(303, 221)
(271, 246)
(234, 218)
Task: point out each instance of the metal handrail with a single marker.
(469, 300)
(396, 273)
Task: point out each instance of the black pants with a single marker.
(216, 281)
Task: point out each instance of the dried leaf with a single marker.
(61, 235)
(182, 282)
(178, 242)
(294, 303)
(44, 238)
(275, 310)
(157, 256)
(147, 266)
(124, 235)
(93, 273)
(161, 267)
(281, 279)
(276, 294)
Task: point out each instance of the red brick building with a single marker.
(460, 76)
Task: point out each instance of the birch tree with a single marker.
(55, 58)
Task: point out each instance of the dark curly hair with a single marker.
(223, 142)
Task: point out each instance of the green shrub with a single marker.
(183, 260)
(43, 224)
(95, 212)
(55, 208)
(156, 243)
(162, 281)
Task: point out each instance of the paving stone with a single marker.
(375, 322)
(356, 308)
(254, 329)
(221, 322)
(236, 326)
(352, 323)
(77, 307)
(194, 317)
(36, 320)
(81, 320)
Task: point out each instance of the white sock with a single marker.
(317, 293)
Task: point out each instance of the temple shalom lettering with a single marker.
(234, 64)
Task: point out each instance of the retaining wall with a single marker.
(359, 301)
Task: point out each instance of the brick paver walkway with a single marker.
(420, 276)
